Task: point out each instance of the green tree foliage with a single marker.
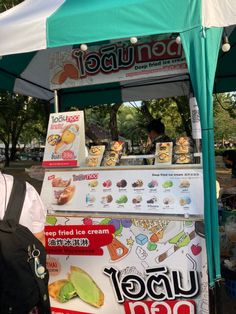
(224, 117)
(130, 123)
(104, 116)
(20, 117)
(174, 113)
(36, 127)
(133, 117)
(8, 4)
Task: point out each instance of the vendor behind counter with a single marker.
(156, 134)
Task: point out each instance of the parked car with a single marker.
(25, 156)
(35, 156)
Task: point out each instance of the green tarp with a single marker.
(93, 21)
(202, 67)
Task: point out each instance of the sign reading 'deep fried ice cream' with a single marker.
(78, 240)
(65, 142)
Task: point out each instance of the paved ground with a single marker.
(225, 304)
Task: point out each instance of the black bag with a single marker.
(23, 274)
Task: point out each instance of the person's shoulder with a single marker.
(8, 178)
(30, 188)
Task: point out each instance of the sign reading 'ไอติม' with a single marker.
(114, 62)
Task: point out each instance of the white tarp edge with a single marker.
(170, 89)
(23, 28)
(218, 13)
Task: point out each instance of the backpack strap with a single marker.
(16, 200)
(44, 304)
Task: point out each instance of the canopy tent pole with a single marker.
(56, 101)
(201, 49)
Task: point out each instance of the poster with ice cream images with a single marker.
(147, 191)
(65, 142)
(126, 266)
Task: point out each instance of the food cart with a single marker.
(120, 237)
(201, 50)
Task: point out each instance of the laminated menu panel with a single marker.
(134, 191)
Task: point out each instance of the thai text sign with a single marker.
(115, 62)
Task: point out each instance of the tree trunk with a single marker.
(13, 152)
(223, 141)
(113, 122)
(7, 158)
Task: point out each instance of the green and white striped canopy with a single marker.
(29, 28)
(34, 25)
(46, 24)
(38, 24)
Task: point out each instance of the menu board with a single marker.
(126, 266)
(148, 191)
(65, 143)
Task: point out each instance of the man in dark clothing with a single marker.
(156, 133)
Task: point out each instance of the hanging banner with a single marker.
(149, 191)
(115, 62)
(145, 266)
